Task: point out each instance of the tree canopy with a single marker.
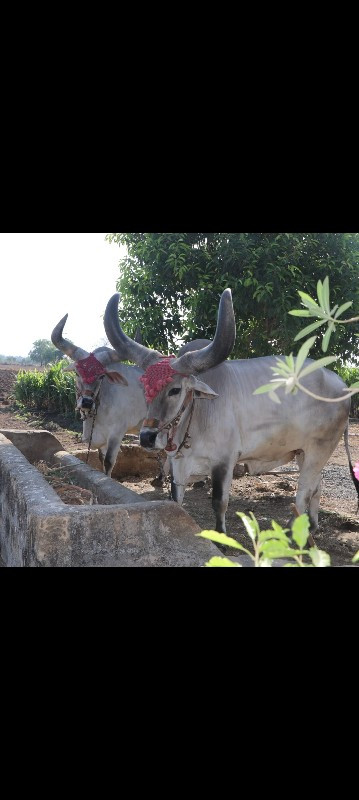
(44, 352)
(170, 285)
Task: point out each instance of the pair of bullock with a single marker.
(207, 424)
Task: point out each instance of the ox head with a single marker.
(90, 369)
(171, 384)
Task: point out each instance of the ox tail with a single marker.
(346, 443)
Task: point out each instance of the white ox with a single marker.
(209, 424)
(110, 408)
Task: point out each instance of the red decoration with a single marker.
(90, 369)
(156, 377)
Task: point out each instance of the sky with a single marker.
(47, 275)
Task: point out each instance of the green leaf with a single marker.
(274, 398)
(250, 525)
(269, 387)
(216, 561)
(308, 301)
(326, 339)
(309, 329)
(221, 538)
(343, 308)
(356, 558)
(303, 353)
(266, 536)
(319, 557)
(322, 362)
(277, 549)
(255, 523)
(290, 362)
(300, 312)
(281, 368)
(326, 298)
(300, 530)
(278, 528)
(320, 293)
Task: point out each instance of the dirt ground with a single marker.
(267, 496)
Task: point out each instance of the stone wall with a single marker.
(38, 530)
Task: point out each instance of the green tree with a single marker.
(170, 284)
(44, 352)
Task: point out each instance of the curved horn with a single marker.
(127, 348)
(107, 356)
(64, 345)
(218, 350)
(196, 344)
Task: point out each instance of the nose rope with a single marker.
(185, 442)
(178, 416)
(93, 413)
(89, 447)
(95, 398)
(97, 403)
(173, 424)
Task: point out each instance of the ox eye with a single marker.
(173, 391)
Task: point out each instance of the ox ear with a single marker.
(116, 377)
(203, 391)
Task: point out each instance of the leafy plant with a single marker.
(51, 390)
(289, 372)
(322, 311)
(173, 281)
(271, 544)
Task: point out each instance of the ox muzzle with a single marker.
(86, 403)
(148, 435)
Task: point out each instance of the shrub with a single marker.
(52, 390)
(350, 375)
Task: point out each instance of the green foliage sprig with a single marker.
(288, 373)
(322, 311)
(271, 544)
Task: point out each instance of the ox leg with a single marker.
(177, 491)
(307, 499)
(113, 448)
(221, 482)
(101, 456)
(179, 479)
(314, 506)
(164, 467)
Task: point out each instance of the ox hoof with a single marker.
(157, 482)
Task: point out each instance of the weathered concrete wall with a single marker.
(38, 530)
(22, 489)
(143, 535)
(34, 445)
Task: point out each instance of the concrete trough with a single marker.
(131, 460)
(38, 530)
